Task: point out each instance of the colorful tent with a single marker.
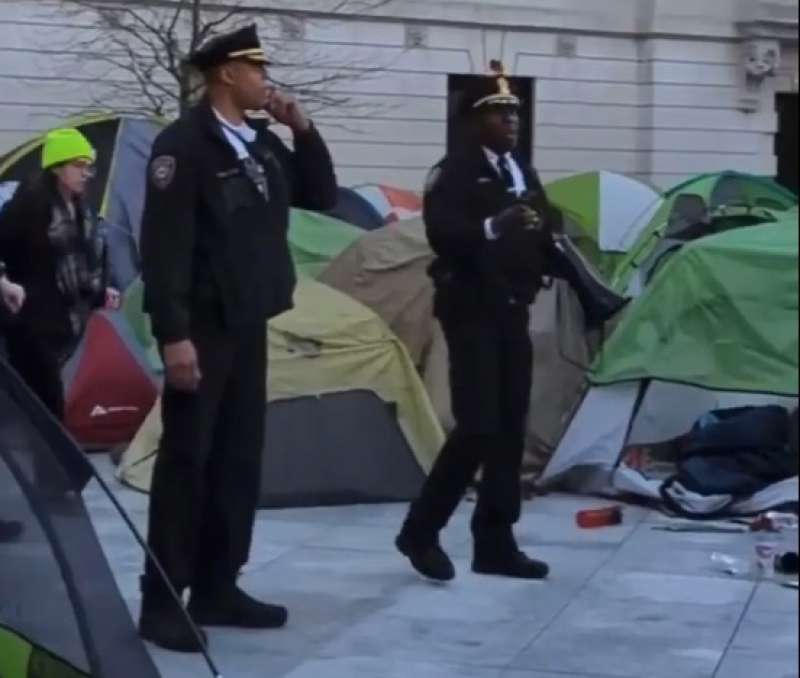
(109, 384)
(357, 210)
(387, 271)
(349, 420)
(393, 204)
(717, 327)
(116, 194)
(707, 204)
(605, 207)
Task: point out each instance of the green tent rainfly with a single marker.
(21, 658)
(722, 314)
(723, 200)
(604, 208)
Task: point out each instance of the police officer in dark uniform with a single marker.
(216, 266)
(490, 225)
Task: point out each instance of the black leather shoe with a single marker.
(516, 566)
(429, 560)
(235, 608)
(10, 530)
(163, 623)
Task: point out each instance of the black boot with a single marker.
(233, 607)
(427, 557)
(10, 530)
(164, 623)
(514, 564)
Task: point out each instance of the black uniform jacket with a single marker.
(214, 246)
(471, 271)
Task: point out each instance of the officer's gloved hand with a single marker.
(515, 220)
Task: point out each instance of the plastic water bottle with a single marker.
(767, 549)
(730, 564)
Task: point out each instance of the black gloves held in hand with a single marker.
(514, 220)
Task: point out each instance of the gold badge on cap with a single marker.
(497, 69)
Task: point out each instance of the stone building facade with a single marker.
(658, 89)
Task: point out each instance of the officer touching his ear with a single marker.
(216, 266)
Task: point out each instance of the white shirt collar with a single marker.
(494, 158)
(243, 129)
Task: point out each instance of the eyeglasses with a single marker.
(86, 167)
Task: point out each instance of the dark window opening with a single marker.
(786, 140)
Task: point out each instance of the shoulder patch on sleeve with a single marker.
(433, 178)
(162, 171)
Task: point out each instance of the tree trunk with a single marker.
(188, 79)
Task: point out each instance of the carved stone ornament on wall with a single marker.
(761, 59)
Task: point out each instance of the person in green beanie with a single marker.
(52, 248)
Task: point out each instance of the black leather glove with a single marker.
(514, 220)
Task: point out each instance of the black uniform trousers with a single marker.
(491, 363)
(207, 475)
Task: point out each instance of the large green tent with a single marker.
(721, 314)
(717, 327)
(703, 205)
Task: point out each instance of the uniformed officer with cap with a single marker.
(216, 266)
(490, 225)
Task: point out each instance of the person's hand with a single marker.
(182, 366)
(12, 295)
(113, 299)
(515, 219)
(287, 111)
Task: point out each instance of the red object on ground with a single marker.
(595, 518)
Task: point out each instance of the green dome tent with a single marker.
(704, 205)
(716, 328)
(719, 298)
(605, 207)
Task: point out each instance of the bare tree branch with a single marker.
(149, 42)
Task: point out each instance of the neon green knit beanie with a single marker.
(65, 145)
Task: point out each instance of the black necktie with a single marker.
(505, 174)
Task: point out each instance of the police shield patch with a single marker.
(162, 171)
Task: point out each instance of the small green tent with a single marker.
(605, 207)
(704, 205)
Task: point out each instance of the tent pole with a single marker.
(160, 569)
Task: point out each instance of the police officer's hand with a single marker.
(182, 366)
(514, 220)
(287, 111)
(12, 295)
